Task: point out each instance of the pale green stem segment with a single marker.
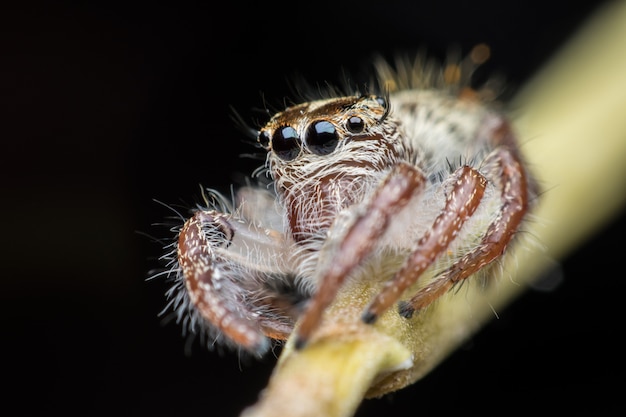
(572, 123)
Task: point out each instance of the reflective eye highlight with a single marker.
(286, 143)
(322, 137)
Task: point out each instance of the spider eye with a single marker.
(322, 137)
(381, 100)
(264, 139)
(355, 124)
(384, 102)
(286, 143)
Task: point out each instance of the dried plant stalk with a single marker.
(571, 110)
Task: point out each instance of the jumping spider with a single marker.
(422, 173)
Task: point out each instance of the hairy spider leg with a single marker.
(399, 187)
(220, 301)
(467, 191)
(494, 242)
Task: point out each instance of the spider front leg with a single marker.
(225, 286)
(468, 188)
(460, 205)
(514, 204)
(356, 241)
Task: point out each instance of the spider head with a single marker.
(322, 131)
(323, 155)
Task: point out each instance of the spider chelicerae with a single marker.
(427, 176)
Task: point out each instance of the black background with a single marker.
(107, 106)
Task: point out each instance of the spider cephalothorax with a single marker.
(427, 174)
(326, 155)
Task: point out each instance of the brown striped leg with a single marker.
(467, 191)
(513, 194)
(208, 277)
(403, 183)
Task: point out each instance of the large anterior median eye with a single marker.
(321, 137)
(286, 143)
